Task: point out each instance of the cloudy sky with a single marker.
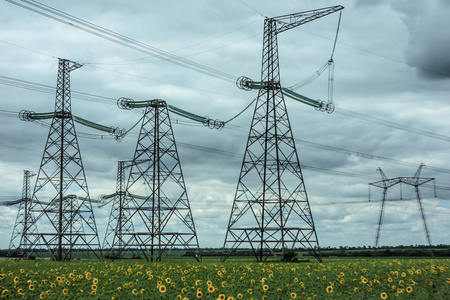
(391, 91)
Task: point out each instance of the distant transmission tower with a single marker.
(271, 211)
(24, 219)
(414, 181)
(61, 201)
(120, 221)
(155, 214)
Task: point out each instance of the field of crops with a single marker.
(233, 279)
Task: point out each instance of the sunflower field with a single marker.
(233, 279)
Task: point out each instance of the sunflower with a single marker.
(240, 296)
(168, 280)
(211, 289)
(65, 291)
(329, 289)
(48, 292)
(16, 279)
(94, 287)
(409, 289)
(197, 282)
(131, 284)
(383, 295)
(162, 288)
(403, 274)
(5, 291)
(265, 287)
(293, 295)
(199, 294)
(31, 287)
(95, 281)
(221, 297)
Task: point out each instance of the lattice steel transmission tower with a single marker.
(24, 219)
(120, 221)
(271, 211)
(155, 215)
(61, 201)
(414, 181)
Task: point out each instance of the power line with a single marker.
(391, 124)
(9, 81)
(120, 39)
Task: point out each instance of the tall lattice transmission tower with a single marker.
(24, 219)
(271, 211)
(60, 202)
(416, 181)
(154, 215)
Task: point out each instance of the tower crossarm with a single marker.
(415, 181)
(11, 202)
(247, 84)
(290, 21)
(128, 103)
(386, 183)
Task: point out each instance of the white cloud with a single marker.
(370, 78)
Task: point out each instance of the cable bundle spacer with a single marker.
(243, 83)
(25, 115)
(213, 124)
(330, 107)
(124, 103)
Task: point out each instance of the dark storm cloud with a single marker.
(370, 78)
(429, 36)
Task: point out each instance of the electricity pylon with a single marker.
(119, 219)
(155, 215)
(61, 201)
(271, 211)
(414, 181)
(23, 219)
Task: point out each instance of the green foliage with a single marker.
(186, 278)
(289, 255)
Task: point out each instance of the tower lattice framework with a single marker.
(61, 203)
(155, 216)
(24, 219)
(119, 220)
(271, 211)
(416, 181)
